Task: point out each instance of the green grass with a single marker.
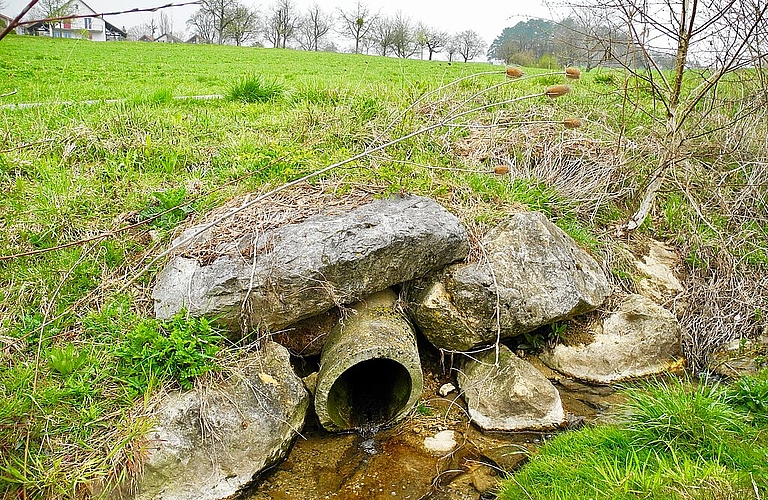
(251, 89)
(79, 351)
(674, 440)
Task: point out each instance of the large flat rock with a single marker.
(301, 270)
(639, 339)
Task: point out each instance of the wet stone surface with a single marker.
(394, 463)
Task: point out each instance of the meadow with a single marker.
(90, 193)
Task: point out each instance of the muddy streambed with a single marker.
(394, 463)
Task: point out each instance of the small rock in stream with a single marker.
(446, 389)
(442, 442)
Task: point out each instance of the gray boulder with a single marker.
(534, 274)
(210, 443)
(301, 270)
(641, 338)
(511, 396)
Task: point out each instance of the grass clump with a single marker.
(750, 396)
(674, 440)
(255, 89)
(680, 418)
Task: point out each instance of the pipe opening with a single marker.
(369, 394)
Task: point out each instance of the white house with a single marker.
(86, 25)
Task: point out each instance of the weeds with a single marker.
(179, 349)
(168, 210)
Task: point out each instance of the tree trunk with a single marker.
(674, 138)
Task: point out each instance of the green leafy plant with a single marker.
(179, 349)
(168, 208)
(253, 89)
(66, 360)
(557, 330)
(424, 409)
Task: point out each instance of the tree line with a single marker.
(637, 35)
(284, 25)
(580, 39)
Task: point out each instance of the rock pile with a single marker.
(305, 280)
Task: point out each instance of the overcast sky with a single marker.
(487, 17)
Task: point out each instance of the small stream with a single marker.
(394, 464)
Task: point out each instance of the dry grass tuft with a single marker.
(722, 303)
(586, 171)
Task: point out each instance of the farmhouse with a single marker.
(90, 26)
(196, 39)
(168, 38)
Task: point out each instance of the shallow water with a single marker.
(393, 463)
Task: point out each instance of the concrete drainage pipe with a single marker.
(370, 374)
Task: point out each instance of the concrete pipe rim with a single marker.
(338, 420)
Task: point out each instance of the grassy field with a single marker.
(116, 180)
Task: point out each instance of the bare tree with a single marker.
(719, 32)
(404, 36)
(382, 35)
(433, 39)
(165, 23)
(357, 23)
(314, 27)
(222, 14)
(202, 24)
(45, 9)
(281, 23)
(591, 37)
(148, 30)
(245, 25)
(452, 46)
(469, 44)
